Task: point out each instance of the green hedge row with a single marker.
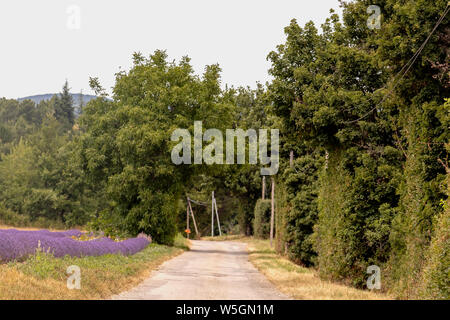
(261, 223)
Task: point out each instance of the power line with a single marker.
(197, 202)
(407, 66)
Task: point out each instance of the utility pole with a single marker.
(217, 216)
(187, 220)
(212, 214)
(263, 186)
(272, 214)
(193, 218)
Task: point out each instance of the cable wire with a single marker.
(407, 66)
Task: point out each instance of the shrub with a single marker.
(8, 217)
(436, 279)
(261, 224)
(11, 218)
(297, 208)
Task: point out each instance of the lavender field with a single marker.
(18, 245)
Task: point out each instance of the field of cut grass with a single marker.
(44, 277)
(294, 280)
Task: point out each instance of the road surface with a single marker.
(211, 270)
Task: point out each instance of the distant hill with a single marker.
(76, 99)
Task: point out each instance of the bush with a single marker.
(11, 218)
(8, 217)
(436, 279)
(261, 224)
(297, 207)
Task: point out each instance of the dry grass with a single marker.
(225, 238)
(43, 277)
(299, 282)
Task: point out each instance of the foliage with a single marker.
(126, 143)
(381, 182)
(64, 107)
(301, 187)
(366, 182)
(436, 277)
(243, 182)
(11, 218)
(41, 181)
(19, 119)
(261, 228)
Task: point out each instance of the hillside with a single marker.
(77, 98)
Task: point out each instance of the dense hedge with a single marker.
(436, 278)
(261, 224)
(297, 208)
(376, 195)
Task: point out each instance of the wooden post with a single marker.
(217, 216)
(291, 158)
(193, 218)
(272, 214)
(263, 186)
(187, 220)
(212, 214)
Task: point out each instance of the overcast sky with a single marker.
(43, 42)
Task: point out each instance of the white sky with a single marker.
(38, 51)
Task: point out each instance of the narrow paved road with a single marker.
(211, 270)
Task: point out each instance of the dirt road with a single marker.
(211, 270)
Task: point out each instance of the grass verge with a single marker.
(226, 238)
(44, 277)
(296, 281)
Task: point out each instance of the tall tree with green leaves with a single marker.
(126, 145)
(41, 180)
(422, 133)
(337, 93)
(243, 182)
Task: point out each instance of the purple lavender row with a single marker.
(17, 245)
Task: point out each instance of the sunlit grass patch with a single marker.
(224, 237)
(181, 242)
(299, 282)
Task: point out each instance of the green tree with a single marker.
(126, 146)
(40, 179)
(64, 107)
(379, 187)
